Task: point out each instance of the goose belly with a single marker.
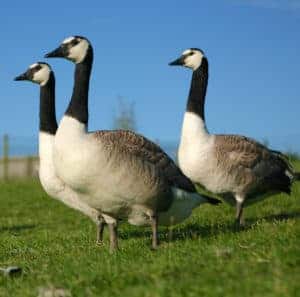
(110, 184)
(123, 186)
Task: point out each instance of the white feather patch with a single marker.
(42, 75)
(187, 51)
(68, 39)
(53, 185)
(194, 61)
(78, 52)
(33, 65)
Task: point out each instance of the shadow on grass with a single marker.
(277, 217)
(196, 230)
(17, 228)
(192, 231)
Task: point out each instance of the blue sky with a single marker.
(253, 49)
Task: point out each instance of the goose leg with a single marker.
(100, 230)
(170, 229)
(239, 210)
(113, 236)
(154, 226)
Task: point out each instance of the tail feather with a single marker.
(284, 159)
(211, 200)
(208, 196)
(192, 199)
(279, 181)
(287, 166)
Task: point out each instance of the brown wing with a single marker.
(149, 151)
(261, 166)
(240, 150)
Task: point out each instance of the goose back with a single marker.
(128, 142)
(255, 167)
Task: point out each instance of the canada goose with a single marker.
(240, 169)
(42, 74)
(121, 172)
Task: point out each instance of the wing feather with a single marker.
(140, 147)
(264, 169)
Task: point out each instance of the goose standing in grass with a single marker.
(122, 173)
(237, 168)
(42, 74)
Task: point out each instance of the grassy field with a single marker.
(207, 256)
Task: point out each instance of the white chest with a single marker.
(196, 146)
(85, 167)
(198, 162)
(196, 155)
(51, 184)
(73, 153)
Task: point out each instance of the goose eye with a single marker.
(191, 53)
(38, 67)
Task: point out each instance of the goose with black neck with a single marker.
(123, 174)
(237, 168)
(42, 74)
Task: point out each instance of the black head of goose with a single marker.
(78, 50)
(195, 59)
(237, 168)
(42, 74)
(122, 172)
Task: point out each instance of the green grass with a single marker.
(56, 247)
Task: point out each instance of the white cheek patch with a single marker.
(79, 51)
(194, 61)
(42, 76)
(67, 40)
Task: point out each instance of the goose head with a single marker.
(38, 73)
(74, 48)
(190, 58)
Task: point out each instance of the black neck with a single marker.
(47, 106)
(197, 93)
(78, 107)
